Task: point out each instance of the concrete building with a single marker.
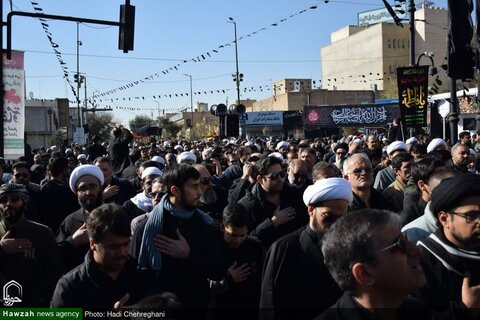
(46, 122)
(361, 57)
(294, 94)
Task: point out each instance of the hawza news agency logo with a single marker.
(12, 293)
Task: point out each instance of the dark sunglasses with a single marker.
(399, 245)
(206, 181)
(357, 172)
(21, 175)
(275, 176)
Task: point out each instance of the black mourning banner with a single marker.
(413, 93)
(292, 119)
(359, 115)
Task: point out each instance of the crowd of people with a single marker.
(352, 227)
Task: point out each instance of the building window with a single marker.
(394, 44)
(389, 43)
(403, 43)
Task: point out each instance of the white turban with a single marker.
(158, 159)
(436, 143)
(185, 156)
(178, 147)
(82, 157)
(396, 145)
(68, 150)
(328, 189)
(150, 171)
(282, 144)
(277, 155)
(411, 140)
(85, 170)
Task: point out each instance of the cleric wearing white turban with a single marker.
(187, 157)
(437, 144)
(85, 170)
(326, 190)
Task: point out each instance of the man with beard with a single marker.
(461, 157)
(142, 202)
(452, 253)
(310, 157)
(249, 175)
(296, 283)
(297, 174)
(28, 252)
(21, 175)
(108, 276)
(235, 171)
(274, 207)
(213, 198)
(178, 242)
(86, 182)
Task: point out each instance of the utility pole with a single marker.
(411, 9)
(79, 121)
(191, 96)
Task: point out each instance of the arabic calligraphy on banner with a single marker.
(373, 115)
(264, 118)
(14, 106)
(413, 91)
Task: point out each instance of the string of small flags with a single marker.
(55, 46)
(201, 57)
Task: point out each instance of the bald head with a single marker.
(297, 172)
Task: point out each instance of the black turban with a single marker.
(13, 189)
(451, 192)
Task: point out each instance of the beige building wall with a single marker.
(360, 57)
(297, 100)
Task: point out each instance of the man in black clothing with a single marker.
(275, 208)
(130, 172)
(294, 268)
(117, 190)
(451, 254)
(178, 242)
(96, 149)
(240, 287)
(118, 148)
(377, 267)
(56, 197)
(108, 275)
(460, 157)
(28, 252)
(86, 182)
(22, 175)
(358, 170)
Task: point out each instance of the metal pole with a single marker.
(79, 121)
(191, 96)
(236, 63)
(411, 9)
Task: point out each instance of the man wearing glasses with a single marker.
(358, 170)
(275, 208)
(294, 263)
(452, 253)
(377, 267)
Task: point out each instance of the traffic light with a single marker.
(127, 27)
(460, 33)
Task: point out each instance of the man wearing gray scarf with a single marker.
(178, 241)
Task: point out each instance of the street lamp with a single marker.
(238, 78)
(191, 97)
(431, 69)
